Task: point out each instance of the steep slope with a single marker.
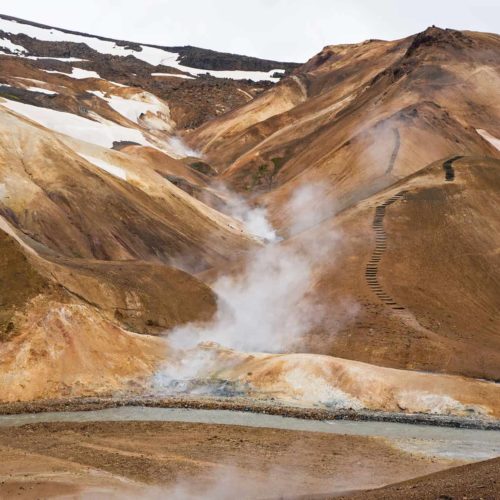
(81, 200)
(390, 259)
(71, 327)
(366, 125)
(198, 84)
(421, 262)
(302, 103)
(369, 108)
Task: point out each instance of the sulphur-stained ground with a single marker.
(180, 460)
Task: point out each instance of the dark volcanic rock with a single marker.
(437, 37)
(196, 57)
(192, 101)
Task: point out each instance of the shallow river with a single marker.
(444, 442)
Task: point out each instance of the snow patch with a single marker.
(118, 84)
(151, 55)
(255, 76)
(175, 75)
(138, 108)
(490, 138)
(63, 59)
(76, 73)
(43, 91)
(103, 132)
(7, 44)
(53, 72)
(106, 166)
(97, 93)
(137, 105)
(80, 74)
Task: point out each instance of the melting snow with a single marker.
(103, 133)
(80, 73)
(135, 105)
(43, 91)
(7, 44)
(118, 84)
(490, 138)
(77, 73)
(64, 59)
(175, 75)
(151, 55)
(108, 167)
(240, 75)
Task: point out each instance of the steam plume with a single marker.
(267, 307)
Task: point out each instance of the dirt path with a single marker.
(395, 151)
(372, 268)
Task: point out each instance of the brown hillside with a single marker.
(421, 260)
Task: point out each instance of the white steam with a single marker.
(260, 310)
(227, 482)
(179, 148)
(309, 205)
(268, 307)
(254, 218)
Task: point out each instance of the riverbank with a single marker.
(243, 404)
(181, 452)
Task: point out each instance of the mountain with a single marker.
(381, 126)
(373, 99)
(178, 217)
(198, 83)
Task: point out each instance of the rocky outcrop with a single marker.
(196, 57)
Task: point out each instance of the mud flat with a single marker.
(211, 448)
(252, 455)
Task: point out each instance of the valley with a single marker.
(185, 227)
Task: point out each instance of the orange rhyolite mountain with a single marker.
(114, 225)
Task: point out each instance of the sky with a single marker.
(285, 30)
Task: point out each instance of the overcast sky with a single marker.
(291, 30)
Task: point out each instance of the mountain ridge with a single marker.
(227, 220)
(188, 53)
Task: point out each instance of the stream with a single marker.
(441, 442)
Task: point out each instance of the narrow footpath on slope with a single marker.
(372, 268)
